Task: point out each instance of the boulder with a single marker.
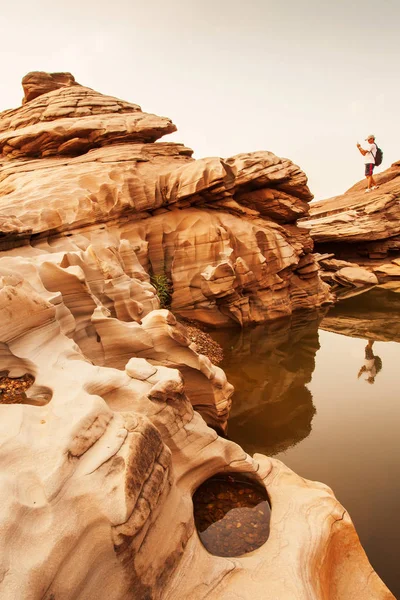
(392, 269)
(38, 82)
(355, 276)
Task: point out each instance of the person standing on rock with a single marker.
(369, 160)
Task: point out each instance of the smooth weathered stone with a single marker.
(101, 455)
(355, 276)
(392, 269)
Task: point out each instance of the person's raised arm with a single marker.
(361, 371)
(363, 152)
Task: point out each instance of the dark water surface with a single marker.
(232, 514)
(307, 394)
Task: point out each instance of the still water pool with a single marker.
(314, 395)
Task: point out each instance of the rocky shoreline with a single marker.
(102, 452)
(203, 341)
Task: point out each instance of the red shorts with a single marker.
(369, 169)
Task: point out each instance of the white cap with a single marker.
(371, 135)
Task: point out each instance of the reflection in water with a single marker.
(372, 364)
(269, 367)
(232, 514)
(373, 315)
(354, 444)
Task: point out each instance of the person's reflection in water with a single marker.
(372, 364)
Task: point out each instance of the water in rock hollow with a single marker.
(232, 514)
(314, 395)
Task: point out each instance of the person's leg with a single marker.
(372, 180)
(368, 174)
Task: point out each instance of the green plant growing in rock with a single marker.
(163, 289)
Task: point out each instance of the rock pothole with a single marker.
(13, 390)
(232, 514)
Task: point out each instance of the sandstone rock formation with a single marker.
(391, 269)
(359, 224)
(102, 452)
(98, 469)
(223, 231)
(343, 273)
(37, 83)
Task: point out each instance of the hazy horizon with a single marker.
(305, 81)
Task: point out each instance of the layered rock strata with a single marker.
(357, 224)
(223, 232)
(343, 273)
(102, 452)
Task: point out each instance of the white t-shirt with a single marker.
(370, 369)
(371, 153)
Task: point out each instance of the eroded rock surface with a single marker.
(113, 459)
(102, 452)
(222, 231)
(37, 83)
(360, 224)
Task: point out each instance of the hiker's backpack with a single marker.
(377, 363)
(378, 156)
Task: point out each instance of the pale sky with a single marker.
(303, 79)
